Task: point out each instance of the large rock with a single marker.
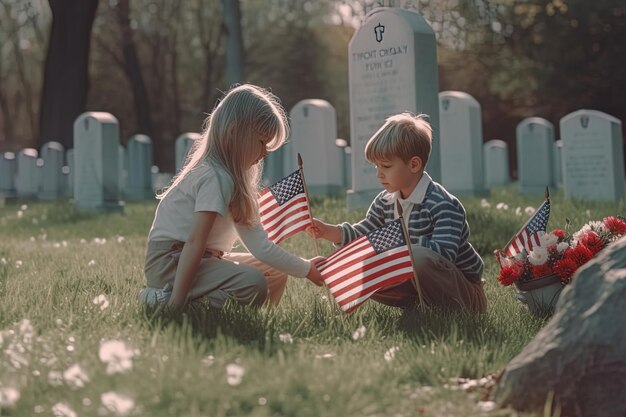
(580, 355)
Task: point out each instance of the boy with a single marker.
(449, 269)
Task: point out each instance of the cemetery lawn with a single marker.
(298, 359)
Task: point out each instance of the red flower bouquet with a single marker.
(559, 253)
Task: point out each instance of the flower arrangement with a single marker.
(560, 253)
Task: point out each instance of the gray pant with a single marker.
(217, 278)
(441, 283)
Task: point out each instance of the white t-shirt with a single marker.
(209, 187)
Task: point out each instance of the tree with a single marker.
(64, 92)
(235, 56)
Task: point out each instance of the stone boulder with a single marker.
(579, 358)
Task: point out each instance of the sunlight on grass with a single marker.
(74, 339)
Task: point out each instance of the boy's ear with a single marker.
(415, 164)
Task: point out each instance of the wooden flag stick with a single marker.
(408, 244)
(308, 203)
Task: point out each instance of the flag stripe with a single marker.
(382, 282)
(288, 229)
(302, 208)
(348, 285)
(358, 266)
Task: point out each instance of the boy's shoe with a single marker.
(154, 296)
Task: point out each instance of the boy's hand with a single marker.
(314, 275)
(325, 231)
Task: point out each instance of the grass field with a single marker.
(58, 348)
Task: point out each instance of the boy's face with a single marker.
(396, 175)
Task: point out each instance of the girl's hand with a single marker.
(314, 275)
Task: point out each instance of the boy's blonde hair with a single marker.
(403, 135)
(231, 135)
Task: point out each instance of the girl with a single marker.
(211, 202)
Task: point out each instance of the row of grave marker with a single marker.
(586, 161)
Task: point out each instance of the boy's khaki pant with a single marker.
(237, 276)
(442, 284)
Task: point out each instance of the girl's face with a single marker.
(259, 150)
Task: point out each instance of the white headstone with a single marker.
(593, 156)
(8, 169)
(313, 135)
(183, 145)
(52, 185)
(27, 177)
(160, 180)
(123, 164)
(496, 159)
(273, 170)
(96, 159)
(461, 136)
(392, 69)
(343, 146)
(139, 165)
(535, 146)
(69, 185)
(558, 162)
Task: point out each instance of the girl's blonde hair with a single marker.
(231, 135)
(404, 136)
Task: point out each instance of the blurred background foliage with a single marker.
(160, 65)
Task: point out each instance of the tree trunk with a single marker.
(66, 78)
(133, 71)
(235, 57)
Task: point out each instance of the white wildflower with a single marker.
(486, 406)
(24, 207)
(20, 214)
(118, 404)
(325, 356)
(55, 378)
(234, 374)
(99, 241)
(359, 333)
(539, 256)
(484, 203)
(63, 410)
(117, 355)
(502, 206)
(391, 353)
(529, 210)
(83, 241)
(518, 211)
(8, 397)
(120, 239)
(209, 360)
(18, 264)
(3, 261)
(91, 263)
(285, 338)
(101, 301)
(75, 377)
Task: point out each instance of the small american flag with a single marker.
(527, 238)
(284, 208)
(373, 261)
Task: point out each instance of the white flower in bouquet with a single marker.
(547, 239)
(560, 247)
(539, 256)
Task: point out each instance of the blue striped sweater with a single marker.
(438, 223)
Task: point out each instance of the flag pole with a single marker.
(408, 244)
(546, 195)
(308, 202)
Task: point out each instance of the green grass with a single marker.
(181, 366)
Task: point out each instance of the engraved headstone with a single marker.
(140, 162)
(593, 156)
(461, 138)
(52, 178)
(183, 145)
(342, 144)
(313, 135)
(27, 177)
(496, 159)
(8, 169)
(392, 69)
(558, 162)
(535, 146)
(96, 159)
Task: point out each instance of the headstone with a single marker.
(461, 136)
(96, 159)
(183, 145)
(535, 146)
(160, 180)
(576, 362)
(392, 69)
(27, 177)
(52, 186)
(123, 164)
(69, 159)
(8, 169)
(344, 147)
(496, 160)
(558, 162)
(139, 164)
(313, 135)
(593, 156)
(273, 170)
